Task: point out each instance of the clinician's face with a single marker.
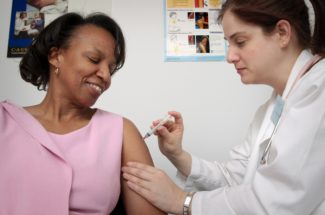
(253, 53)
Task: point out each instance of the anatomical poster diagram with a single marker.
(192, 32)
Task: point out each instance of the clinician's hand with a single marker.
(170, 143)
(170, 136)
(155, 186)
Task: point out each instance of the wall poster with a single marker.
(192, 32)
(28, 18)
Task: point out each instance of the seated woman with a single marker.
(63, 156)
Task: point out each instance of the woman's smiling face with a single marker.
(85, 66)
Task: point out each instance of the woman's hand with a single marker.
(155, 186)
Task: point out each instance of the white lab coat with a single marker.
(293, 180)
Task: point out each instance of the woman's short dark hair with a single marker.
(266, 14)
(34, 66)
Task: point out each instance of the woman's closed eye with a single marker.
(93, 60)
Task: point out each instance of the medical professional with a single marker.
(280, 167)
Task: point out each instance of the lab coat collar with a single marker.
(302, 59)
(267, 126)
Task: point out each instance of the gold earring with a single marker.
(56, 71)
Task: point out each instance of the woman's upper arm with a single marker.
(135, 149)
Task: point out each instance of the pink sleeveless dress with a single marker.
(94, 153)
(72, 174)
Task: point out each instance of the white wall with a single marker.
(215, 105)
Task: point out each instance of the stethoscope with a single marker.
(277, 116)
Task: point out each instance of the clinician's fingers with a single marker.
(141, 166)
(139, 173)
(177, 116)
(138, 181)
(165, 128)
(140, 190)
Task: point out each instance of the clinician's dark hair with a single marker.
(266, 14)
(34, 66)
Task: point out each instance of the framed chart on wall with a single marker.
(29, 17)
(192, 32)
